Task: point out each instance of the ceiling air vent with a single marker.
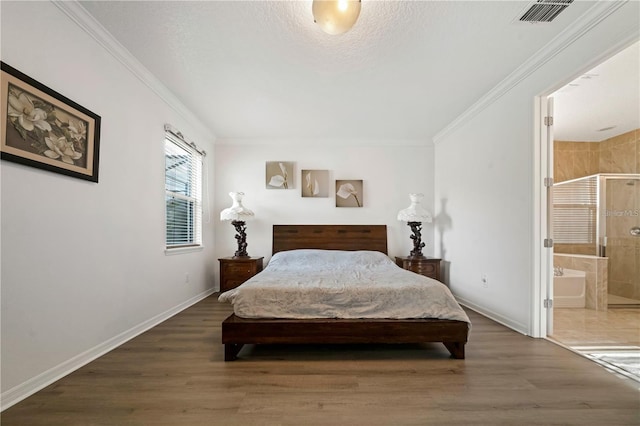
(544, 10)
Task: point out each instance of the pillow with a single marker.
(316, 259)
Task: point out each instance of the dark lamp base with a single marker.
(416, 228)
(241, 237)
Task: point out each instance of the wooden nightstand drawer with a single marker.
(236, 270)
(429, 267)
(239, 269)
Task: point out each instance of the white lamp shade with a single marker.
(415, 212)
(335, 16)
(237, 211)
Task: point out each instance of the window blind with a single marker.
(575, 211)
(183, 186)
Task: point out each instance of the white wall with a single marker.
(83, 264)
(390, 171)
(485, 186)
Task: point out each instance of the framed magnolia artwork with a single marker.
(349, 193)
(279, 174)
(315, 183)
(44, 129)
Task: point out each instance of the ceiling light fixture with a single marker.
(335, 16)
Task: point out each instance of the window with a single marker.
(575, 211)
(183, 186)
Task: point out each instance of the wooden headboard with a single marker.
(330, 237)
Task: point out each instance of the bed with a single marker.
(239, 330)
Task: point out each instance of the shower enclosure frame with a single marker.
(591, 193)
(600, 237)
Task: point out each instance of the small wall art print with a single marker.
(349, 193)
(42, 128)
(315, 183)
(279, 174)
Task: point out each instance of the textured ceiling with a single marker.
(264, 70)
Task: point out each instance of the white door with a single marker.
(541, 311)
(547, 272)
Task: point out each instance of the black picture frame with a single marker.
(42, 128)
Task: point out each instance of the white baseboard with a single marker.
(33, 385)
(514, 325)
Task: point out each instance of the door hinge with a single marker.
(548, 121)
(548, 303)
(548, 182)
(548, 242)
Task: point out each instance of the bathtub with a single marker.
(569, 289)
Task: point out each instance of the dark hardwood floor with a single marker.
(174, 374)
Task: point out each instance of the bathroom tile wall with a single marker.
(596, 279)
(619, 154)
(575, 159)
(625, 268)
(588, 249)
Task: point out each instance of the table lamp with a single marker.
(414, 215)
(238, 215)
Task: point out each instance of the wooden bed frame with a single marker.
(237, 331)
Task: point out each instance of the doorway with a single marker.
(591, 214)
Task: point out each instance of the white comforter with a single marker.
(340, 284)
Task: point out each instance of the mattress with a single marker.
(312, 283)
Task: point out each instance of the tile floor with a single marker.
(598, 334)
(619, 326)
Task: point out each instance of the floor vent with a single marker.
(544, 10)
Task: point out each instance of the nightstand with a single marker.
(427, 266)
(236, 270)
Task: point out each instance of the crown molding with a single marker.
(568, 36)
(91, 26)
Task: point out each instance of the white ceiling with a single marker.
(601, 103)
(264, 70)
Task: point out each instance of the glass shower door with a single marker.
(620, 231)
